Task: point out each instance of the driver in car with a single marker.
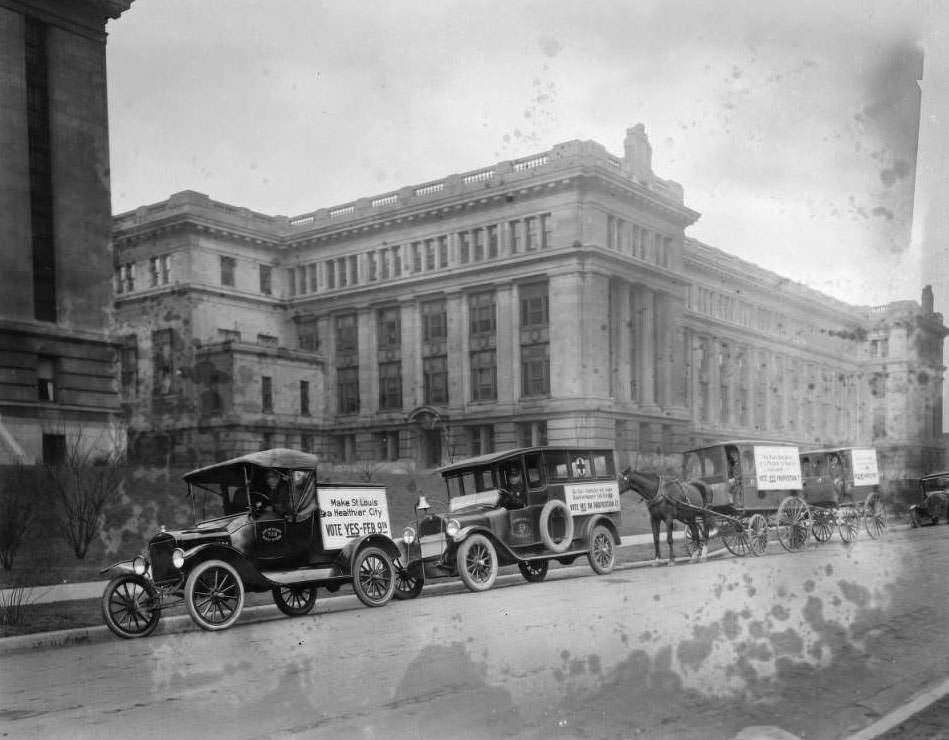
(277, 493)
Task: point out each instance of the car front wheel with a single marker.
(294, 601)
(477, 563)
(214, 594)
(130, 606)
(373, 576)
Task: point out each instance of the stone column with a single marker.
(566, 342)
(714, 382)
(621, 355)
(644, 312)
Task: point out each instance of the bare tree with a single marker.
(17, 511)
(83, 486)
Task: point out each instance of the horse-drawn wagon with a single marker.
(755, 486)
(842, 487)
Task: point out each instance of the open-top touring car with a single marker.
(263, 524)
(526, 506)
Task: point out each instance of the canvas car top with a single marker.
(231, 471)
(493, 457)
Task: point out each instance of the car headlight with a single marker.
(139, 565)
(178, 557)
(408, 535)
(452, 527)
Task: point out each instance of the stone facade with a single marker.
(551, 299)
(57, 359)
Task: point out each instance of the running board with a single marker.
(300, 575)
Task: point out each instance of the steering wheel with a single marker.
(258, 500)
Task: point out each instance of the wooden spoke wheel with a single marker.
(823, 525)
(294, 601)
(406, 586)
(874, 515)
(373, 576)
(757, 533)
(477, 563)
(848, 524)
(602, 555)
(131, 606)
(534, 571)
(214, 594)
(734, 534)
(793, 523)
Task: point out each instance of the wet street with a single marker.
(820, 643)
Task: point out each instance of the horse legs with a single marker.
(654, 523)
(669, 527)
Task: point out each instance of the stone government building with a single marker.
(550, 299)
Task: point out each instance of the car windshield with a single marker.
(467, 482)
(938, 483)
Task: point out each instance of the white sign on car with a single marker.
(348, 512)
(592, 498)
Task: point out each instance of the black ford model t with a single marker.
(933, 505)
(263, 525)
(526, 506)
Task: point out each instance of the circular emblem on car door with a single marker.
(271, 534)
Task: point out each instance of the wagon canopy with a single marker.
(231, 472)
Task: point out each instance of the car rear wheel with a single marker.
(534, 571)
(130, 606)
(477, 563)
(602, 555)
(214, 594)
(294, 601)
(373, 576)
(406, 586)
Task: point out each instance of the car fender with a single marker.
(248, 572)
(352, 548)
(606, 522)
(124, 566)
(505, 554)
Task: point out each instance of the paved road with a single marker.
(821, 644)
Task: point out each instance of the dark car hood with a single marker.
(212, 529)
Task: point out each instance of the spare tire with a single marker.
(550, 508)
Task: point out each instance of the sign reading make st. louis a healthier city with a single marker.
(777, 468)
(352, 511)
(592, 498)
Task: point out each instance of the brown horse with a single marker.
(667, 500)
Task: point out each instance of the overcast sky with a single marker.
(792, 126)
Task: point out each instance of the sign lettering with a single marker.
(350, 512)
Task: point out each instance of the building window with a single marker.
(159, 270)
(480, 439)
(347, 390)
(266, 279)
(546, 233)
(266, 441)
(308, 337)
(266, 394)
(443, 251)
(383, 255)
(434, 321)
(311, 276)
(464, 247)
(306, 443)
(128, 360)
(371, 258)
(125, 282)
(478, 245)
(341, 272)
(535, 308)
(531, 433)
(416, 257)
(429, 254)
(535, 370)
(492, 242)
(153, 272)
(347, 340)
(267, 340)
(330, 275)
(530, 234)
(345, 447)
(46, 378)
(228, 265)
(396, 261)
(482, 313)
(390, 385)
(514, 236)
(388, 445)
(389, 328)
(484, 376)
(304, 398)
(54, 449)
(162, 361)
(435, 380)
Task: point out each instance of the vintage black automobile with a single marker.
(525, 506)
(263, 524)
(933, 506)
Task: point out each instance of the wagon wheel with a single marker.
(793, 523)
(534, 571)
(406, 586)
(214, 594)
(734, 536)
(848, 524)
(823, 526)
(758, 534)
(131, 606)
(874, 515)
(294, 601)
(693, 542)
